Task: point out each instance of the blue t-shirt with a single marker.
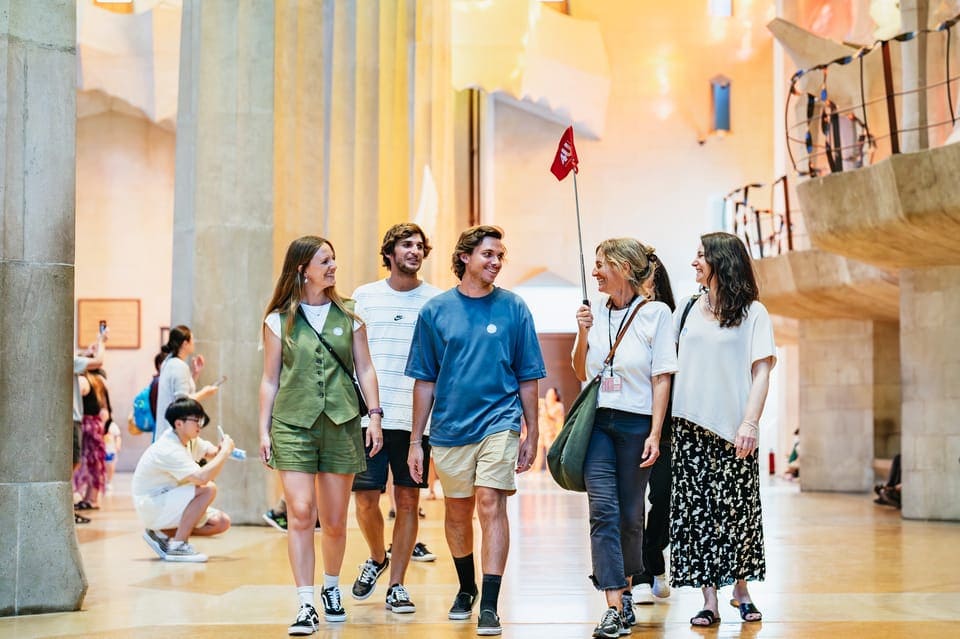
(476, 350)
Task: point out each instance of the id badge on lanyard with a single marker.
(610, 383)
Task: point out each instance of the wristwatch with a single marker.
(376, 411)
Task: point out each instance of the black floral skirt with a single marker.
(716, 527)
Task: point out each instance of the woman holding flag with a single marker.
(632, 404)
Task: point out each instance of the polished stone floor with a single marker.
(838, 566)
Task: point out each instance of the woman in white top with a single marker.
(632, 403)
(310, 415)
(726, 352)
(177, 377)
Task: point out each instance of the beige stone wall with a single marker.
(647, 177)
(929, 335)
(124, 242)
(836, 404)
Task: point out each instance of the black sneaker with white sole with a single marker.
(422, 553)
(332, 604)
(629, 615)
(488, 624)
(306, 623)
(398, 600)
(370, 571)
(462, 607)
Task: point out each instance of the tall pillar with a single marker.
(929, 334)
(887, 389)
(364, 105)
(836, 405)
(223, 218)
(40, 560)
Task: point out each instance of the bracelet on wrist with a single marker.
(415, 441)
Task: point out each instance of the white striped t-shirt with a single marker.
(390, 318)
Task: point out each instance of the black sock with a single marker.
(466, 573)
(490, 593)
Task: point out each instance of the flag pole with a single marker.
(583, 268)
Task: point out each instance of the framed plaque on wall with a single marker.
(121, 315)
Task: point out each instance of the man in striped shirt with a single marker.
(389, 308)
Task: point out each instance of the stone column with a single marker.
(40, 560)
(913, 55)
(836, 405)
(223, 219)
(887, 396)
(930, 430)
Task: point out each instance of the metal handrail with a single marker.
(749, 222)
(823, 111)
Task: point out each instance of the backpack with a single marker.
(143, 418)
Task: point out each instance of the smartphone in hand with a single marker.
(103, 326)
(220, 381)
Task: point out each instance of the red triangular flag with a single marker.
(566, 158)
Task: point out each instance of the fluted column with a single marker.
(223, 218)
(39, 558)
(363, 105)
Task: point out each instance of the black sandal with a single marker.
(707, 614)
(747, 609)
(80, 519)
(85, 505)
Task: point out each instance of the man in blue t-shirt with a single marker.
(476, 361)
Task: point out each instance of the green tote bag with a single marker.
(569, 450)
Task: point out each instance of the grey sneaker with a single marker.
(488, 624)
(462, 607)
(332, 604)
(661, 587)
(398, 600)
(609, 626)
(629, 616)
(370, 571)
(157, 541)
(184, 553)
(306, 623)
(624, 626)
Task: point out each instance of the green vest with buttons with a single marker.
(311, 381)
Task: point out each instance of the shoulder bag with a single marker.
(569, 450)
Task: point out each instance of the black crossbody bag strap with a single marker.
(683, 318)
(623, 332)
(326, 344)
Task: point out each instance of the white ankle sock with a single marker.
(329, 581)
(305, 594)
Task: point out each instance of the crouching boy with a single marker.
(172, 493)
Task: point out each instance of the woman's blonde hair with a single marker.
(630, 256)
(288, 291)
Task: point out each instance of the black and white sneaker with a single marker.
(306, 623)
(462, 607)
(275, 519)
(624, 625)
(422, 553)
(370, 571)
(157, 541)
(610, 624)
(398, 600)
(488, 624)
(332, 604)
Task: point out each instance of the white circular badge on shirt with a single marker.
(337, 331)
(491, 328)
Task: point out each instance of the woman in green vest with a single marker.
(310, 415)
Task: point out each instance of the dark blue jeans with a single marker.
(615, 488)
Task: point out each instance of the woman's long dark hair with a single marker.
(178, 335)
(662, 291)
(732, 276)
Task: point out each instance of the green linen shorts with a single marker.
(325, 447)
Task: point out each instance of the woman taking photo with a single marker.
(177, 377)
(726, 352)
(632, 402)
(310, 416)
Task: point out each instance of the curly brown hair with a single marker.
(399, 232)
(469, 240)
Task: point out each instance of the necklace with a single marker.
(706, 299)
